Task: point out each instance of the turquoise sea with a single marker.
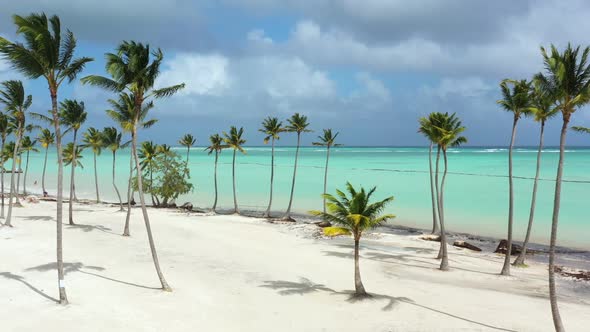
(476, 198)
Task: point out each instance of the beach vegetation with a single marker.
(271, 128)
(298, 124)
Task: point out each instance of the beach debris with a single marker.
(187, 206)
(466, 245)
(431, 237)
(32, 199)
(323, 224)
(576, 274)
(502, 248)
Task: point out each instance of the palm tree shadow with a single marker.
(38, 218)
(90, 228)
(21, 279)
(304, 286)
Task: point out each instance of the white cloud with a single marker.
(202, 74)
(468, 87)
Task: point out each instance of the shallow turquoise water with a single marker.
(476, 198)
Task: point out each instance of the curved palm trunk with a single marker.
(272, 175)
(555, 220)
(44, 168)
(506, 267)
(129, 192)
(288, 213)
(233, 172)
(96, 179)
(73, 164)
(444, 263)
(25, 176)
(20, 162)
(326, 178)
(12, 184)
(115, 185)
(151, 184)
(435, 228)
(521, 257)
(188, 152)
(359, 289)
(146, 218)
(436, 187)
(215, 180)
(2, 179)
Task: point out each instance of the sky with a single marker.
(367, 69)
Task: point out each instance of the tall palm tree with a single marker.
(234, 141)
(46, 138)
(517, 102)
(27, 146)
(72, 155)
(16, 102)
(72, 115)
(542, 108)
(356, 213)
(131, 70)
(49, 54)
(123, 113)
(271, 127)
(448, 129)
(297, 124)
(147, 158)
(428, 130)
(567, 77)
(111, 139)
(216, 145)
(187, 140)
(328, 140)
(93, 139)
(28, 128)
(5, 130)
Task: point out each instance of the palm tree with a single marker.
(131, 70)
(46, 138)
(234, 141)
(28, 128)
(5, 129)
(516, 101)
(12, 95)
(328, 140)
(72, 115)
(543, 108)
(147, 158)
(46, 53)
(123, 113)
(428, 130)
(567, 77)
(217, 146)
(297, 124)
(187, 140)
(111, 139)
(271, 127)
(93, 139)
(72, 157)
(27, 145)
(357, 214)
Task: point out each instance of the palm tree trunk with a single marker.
(555, 220)
(129, 191)
(215, 180)
(326, 178)
(233, 172)
(151, 184)
(272, 175)
(44, 168)
(26, 172)
(288, 213)
(436, 187)
(444, 263)
(435, 228)
(63, 299)
(2, 179)
(506, 267)
(115, 185)
(73, 165)
(20, 162)
(359, 289)
(12, 184)
(96, 179)
(521, 257)
(146, 218)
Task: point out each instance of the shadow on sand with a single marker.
(22, 280)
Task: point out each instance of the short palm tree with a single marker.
(72, 155)
(271, 127)
(515, 100)
(46, 138)
(5, 130)
(428, 130)
(188, 141)
(27, 146)
(72, 115)
(47, 53)
(216, 145)
(356, 213)
(93, 139)
(16, 102)
(297, 124)
(147, 157)
(327, 140)
(111, 139)
(234, 141)
(542, 108)
(567, 77)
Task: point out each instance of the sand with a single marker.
(232, 273)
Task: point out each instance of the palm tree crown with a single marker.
(298, 124)
(187, 140)
(515, 100)
(111, 139)
(93, 139)
(216, 144)
(447, 130)
(123, 113)
(147, 153)
(15, 100)
(72, 114)
(68, 155)
(327, 139)
(271, 127)
(234, 139)
(46, 138)
(28, 145)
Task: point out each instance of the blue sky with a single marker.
(368, 69)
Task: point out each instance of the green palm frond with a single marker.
(93, 138)
(297, 124)
(234, 139)
(327, 139)
(271, 127)
(187, 140)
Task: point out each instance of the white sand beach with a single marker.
(232, 273)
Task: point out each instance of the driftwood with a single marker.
(431, 237)
(502, 248)
(466, 245)
(580, 274)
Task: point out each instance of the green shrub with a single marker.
(335, 231)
